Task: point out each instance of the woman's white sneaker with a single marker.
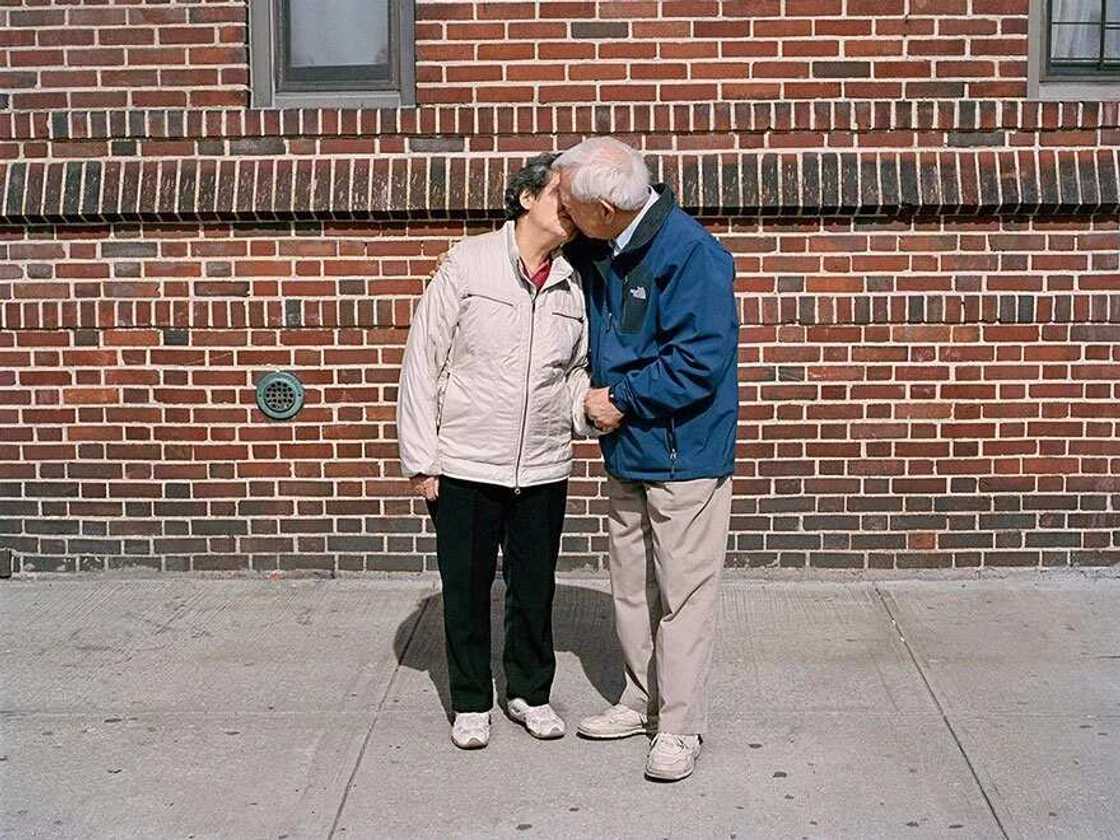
(541, 721)
(471, 730)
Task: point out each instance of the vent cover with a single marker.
(279, 395)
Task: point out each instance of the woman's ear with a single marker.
(526, 199)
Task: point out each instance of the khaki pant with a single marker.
(667, 547)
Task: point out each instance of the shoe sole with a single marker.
(658, 777)
(614, 736)
(668, 777)
(521, 721)
(470, 745)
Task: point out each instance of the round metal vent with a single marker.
(279, 395)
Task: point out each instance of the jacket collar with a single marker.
(561, 268)
(652, 221)
(599, 250)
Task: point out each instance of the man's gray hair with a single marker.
(606, 169)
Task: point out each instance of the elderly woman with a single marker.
(491, 389)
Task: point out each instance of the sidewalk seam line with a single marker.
(941, 711)
(377, 711)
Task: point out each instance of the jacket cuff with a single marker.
(622, 397)
(413, 470)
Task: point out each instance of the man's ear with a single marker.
(606, 209)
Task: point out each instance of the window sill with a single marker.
(347, 99)
(1075, 90)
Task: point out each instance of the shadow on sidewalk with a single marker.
(582, 624)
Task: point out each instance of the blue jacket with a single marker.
(663, 334)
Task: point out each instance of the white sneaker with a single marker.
(616, 722)
(672, 757)
(541, 721)
(471, 730)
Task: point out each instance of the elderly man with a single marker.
(663, 333)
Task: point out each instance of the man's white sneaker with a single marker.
(672, 757)
(471, 730)
(616, 722)
(541, 721)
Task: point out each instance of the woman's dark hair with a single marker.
(532, 178)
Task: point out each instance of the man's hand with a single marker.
(426, 486)
(601, 411)
(440, 260)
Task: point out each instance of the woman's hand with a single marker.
(426, 486)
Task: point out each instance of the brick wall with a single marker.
(156, 55)
(899, 411)
(927, 268)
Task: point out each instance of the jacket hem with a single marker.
(664, 475)
(468, 471)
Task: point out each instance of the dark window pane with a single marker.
(331, 33)
(337, 44)
(1070, 41)
(1075, 11)
(1083, 39)
(1112, 45)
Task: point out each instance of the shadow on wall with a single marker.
(582, 624)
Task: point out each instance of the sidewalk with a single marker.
(182, 707)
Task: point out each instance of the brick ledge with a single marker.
(1024, 181)
(656, 118)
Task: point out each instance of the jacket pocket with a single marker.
(445, 407)
(571, 315)
(565, 326)
(495, 298)
(488, 327)
(441, 396)
(635, 303)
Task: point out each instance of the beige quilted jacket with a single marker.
(494, 371)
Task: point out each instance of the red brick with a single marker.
(95, 58)
(446, 11)
(186, 34)
(132, 35)
(496, 52)
(964, 69)
(597, 72)
(633, 49)
(217, 55)
(565, 93)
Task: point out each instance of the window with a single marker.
(332, 53)
(1075, 49)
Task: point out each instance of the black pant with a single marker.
(472, 520)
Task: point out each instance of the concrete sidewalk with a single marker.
(185, 707)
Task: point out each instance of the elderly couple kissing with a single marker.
(599, 309)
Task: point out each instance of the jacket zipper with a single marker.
(525, 404)
(672, 447)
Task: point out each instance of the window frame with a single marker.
(1044, 84)
(264, 30)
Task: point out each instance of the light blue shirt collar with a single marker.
(623, 239)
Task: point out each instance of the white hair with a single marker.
(606, 169)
